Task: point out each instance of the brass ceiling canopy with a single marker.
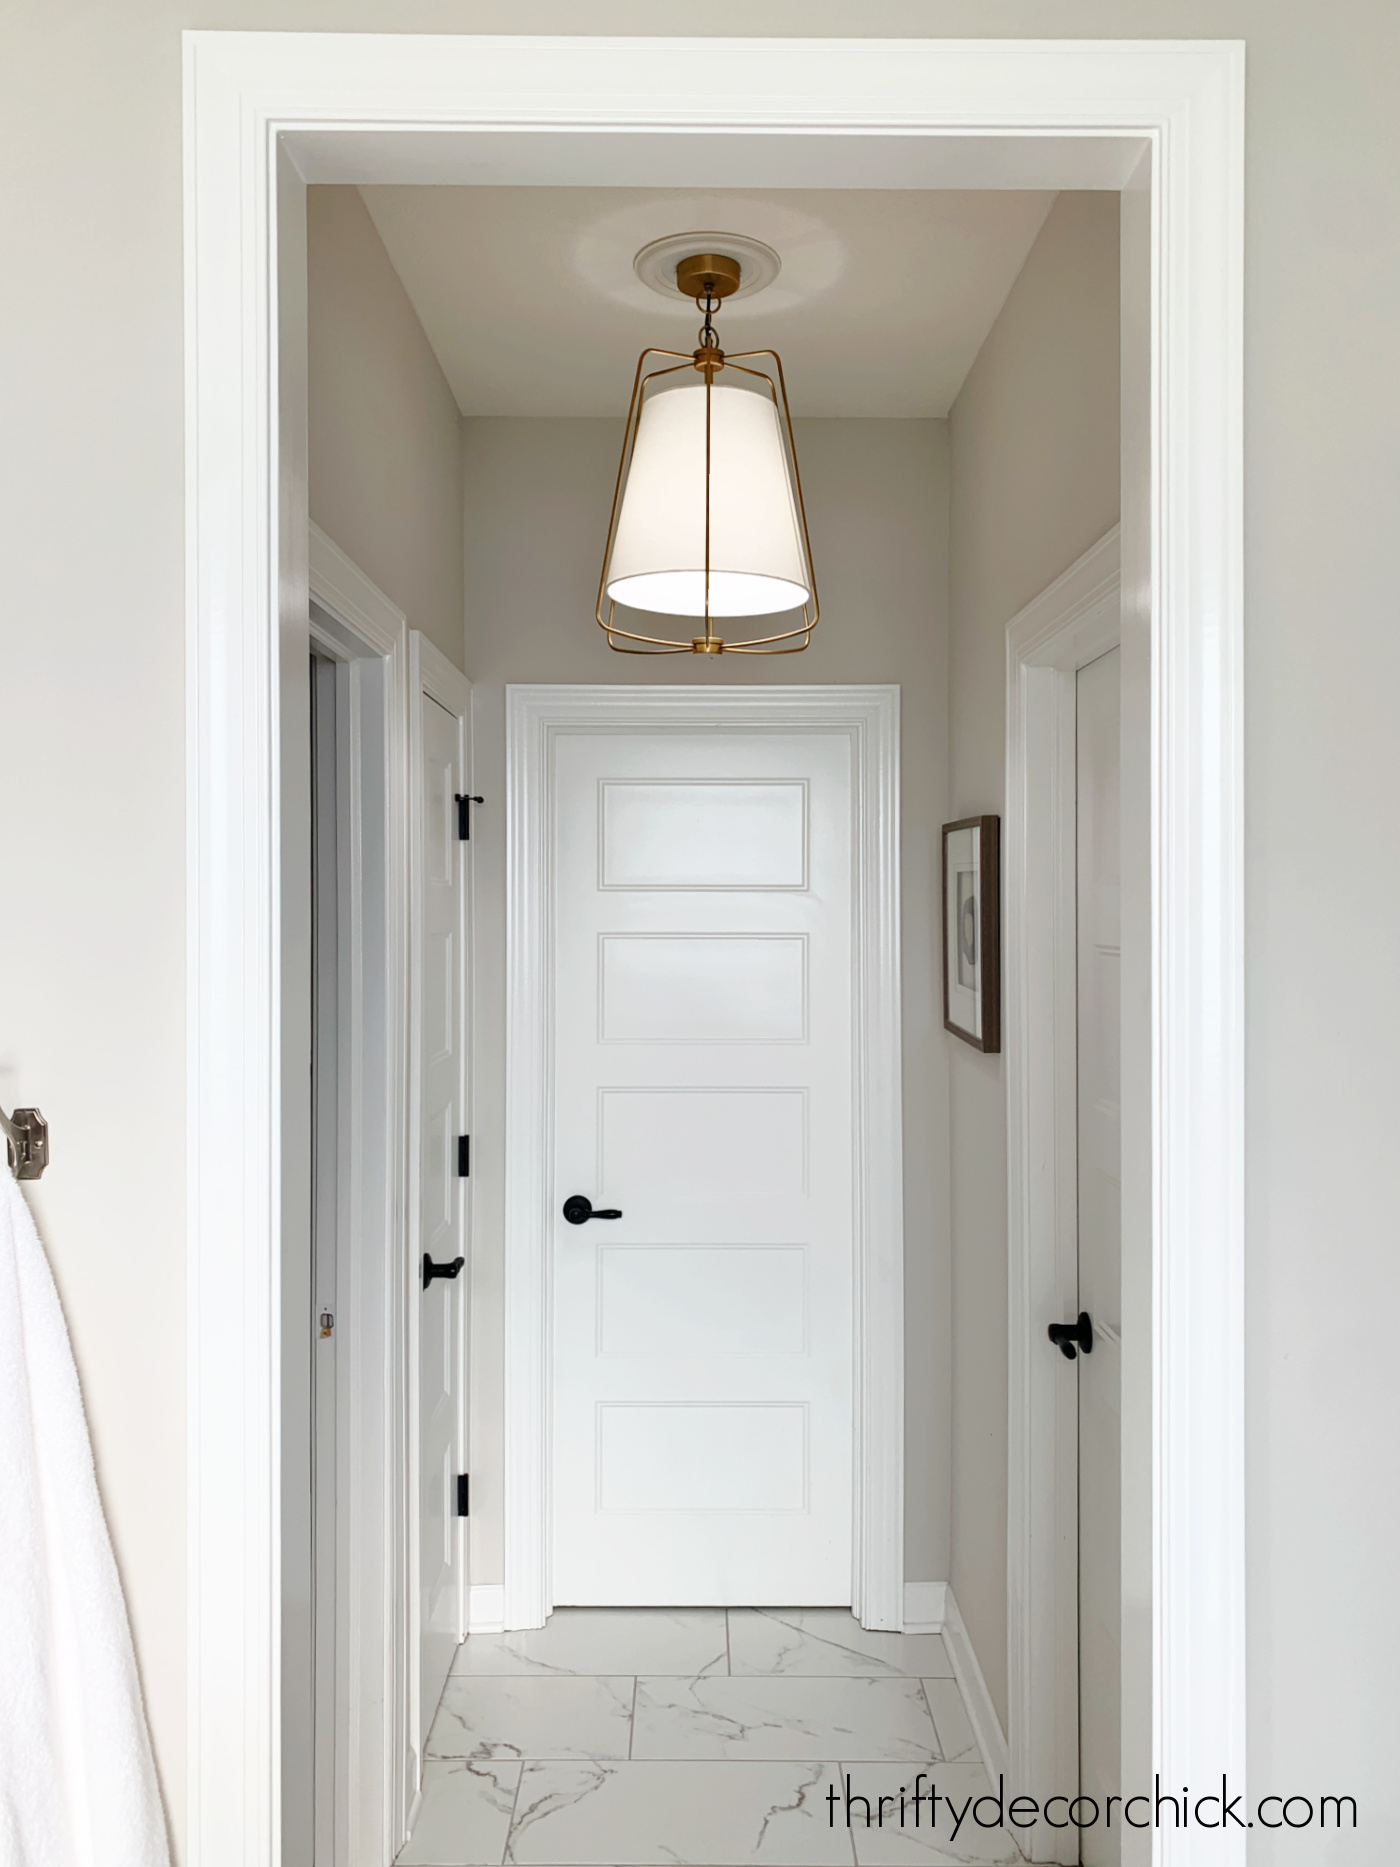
(711, 273)
(707, 515)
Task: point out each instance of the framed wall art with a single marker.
(972, 931)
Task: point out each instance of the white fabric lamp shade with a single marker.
(757, 564)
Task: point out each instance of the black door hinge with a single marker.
(463, 1494)
(464, 815)
(464, 1156)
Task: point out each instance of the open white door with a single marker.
(438, 1269)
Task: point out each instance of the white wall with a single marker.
(537, 499)
(1035, 452)
(92, 988)
(383, 429)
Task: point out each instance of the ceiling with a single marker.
(530, 301)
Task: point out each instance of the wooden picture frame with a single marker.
(972, 931)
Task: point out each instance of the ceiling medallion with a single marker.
(656, 264)
(707, 518)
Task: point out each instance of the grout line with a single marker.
(728, 1655)
(632, 1722)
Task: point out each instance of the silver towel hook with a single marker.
(27, 1137)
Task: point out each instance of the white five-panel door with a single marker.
(441, 1195)
(702, 1045)
(1100, 1209)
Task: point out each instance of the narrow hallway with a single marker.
(640, 1736)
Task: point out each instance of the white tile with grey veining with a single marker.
(645, 1814)
(960, 1829)
(560, 1716)
(772, 1718)
(956, 1742)
(684, 1641)
(828, 1642)
(464, 1816)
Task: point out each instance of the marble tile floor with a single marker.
(640, 1737)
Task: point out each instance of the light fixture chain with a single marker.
(709, 341)
(709, 387)
(709, 303)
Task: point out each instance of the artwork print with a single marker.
(971, 931)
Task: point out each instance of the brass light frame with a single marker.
(710, 278)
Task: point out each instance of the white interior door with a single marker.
(1100, 1209)
(702, 1340)
(441, 1207)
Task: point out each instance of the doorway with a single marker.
(374, 1540)
(705, 1030)
(1077, 749)
(1031, 104)
(342, 1227)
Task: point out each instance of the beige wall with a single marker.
(1035, 455)
(877, 500)
(384, 432)
(92, 989)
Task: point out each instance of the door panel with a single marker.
(671, 1141)
(1100, 1204)
(702, 1045)
(712, 989)
(708, 1299)
(702, 1458)
(687, 835)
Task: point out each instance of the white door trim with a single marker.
(1071, 623)
(535, 717)
(372, 1608)
(1034, 113)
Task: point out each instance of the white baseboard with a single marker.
(486, 1608)
(924, 1607)
(986, 1726)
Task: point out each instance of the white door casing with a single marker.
(1071, 624)
(1098, 1375)
(370, 108)
(539, 721)
(332, 935)
(702, 1033)
(354, 624)
(440, 736)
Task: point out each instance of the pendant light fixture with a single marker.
(707, 520)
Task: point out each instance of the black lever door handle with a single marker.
(448, 1271)
(578, 1208)
(1073, 1338)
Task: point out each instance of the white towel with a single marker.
(77, 1783)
